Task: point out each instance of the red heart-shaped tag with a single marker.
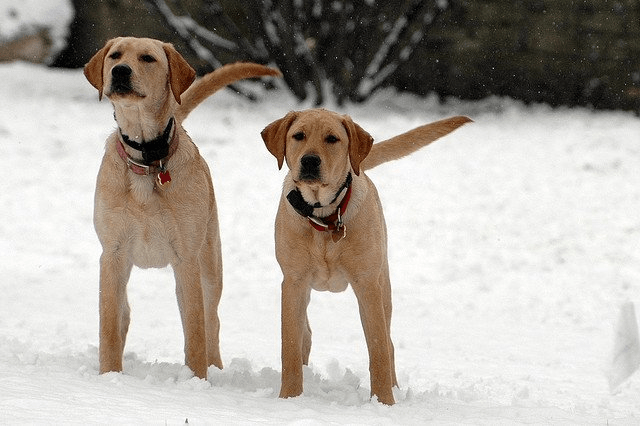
(164, 177)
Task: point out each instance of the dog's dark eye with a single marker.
(331, 139)
(115, 55)
(298, 136)
(147, 58)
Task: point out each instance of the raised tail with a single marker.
(411, 141)
(210, 83)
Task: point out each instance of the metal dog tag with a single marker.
(339, 233)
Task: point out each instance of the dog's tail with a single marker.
(411, 141)
(210, 83)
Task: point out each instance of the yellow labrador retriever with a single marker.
(330, 231)
(154, 200)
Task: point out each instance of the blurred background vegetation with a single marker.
(561, 52)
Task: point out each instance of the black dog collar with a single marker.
(153, 150)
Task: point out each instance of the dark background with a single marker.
(561, 52)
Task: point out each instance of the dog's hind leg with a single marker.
(385, 286)
(211, 269)
(386, 301)
(114, 310)
(306, 340)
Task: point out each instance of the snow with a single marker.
(513, 247)
(626, 349)
(28, 16)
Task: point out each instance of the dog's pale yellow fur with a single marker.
(139, 223)
(310, 259)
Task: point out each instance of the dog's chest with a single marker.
(151, 227)
(327, 273)
(143, 232)
(150, 241)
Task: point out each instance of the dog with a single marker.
(154, 199)
(330, 231)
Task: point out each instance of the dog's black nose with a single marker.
(121, 71)
(310, 161)
(310, 167)
(121, 81)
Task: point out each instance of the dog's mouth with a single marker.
(121, 87)
(307, 177)
(124, 89)
(311, 178)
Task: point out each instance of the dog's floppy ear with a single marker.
(360, 143)
(275, 136)
(181, 75)
(93, 69)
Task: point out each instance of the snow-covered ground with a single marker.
(513, 243)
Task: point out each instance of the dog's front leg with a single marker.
(377, 335)
(189, 294)
(114, 310)
(295, 298)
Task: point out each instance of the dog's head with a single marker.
(138, 69)
(320, 147)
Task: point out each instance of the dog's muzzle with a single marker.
(310, 167)
(121, 79)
